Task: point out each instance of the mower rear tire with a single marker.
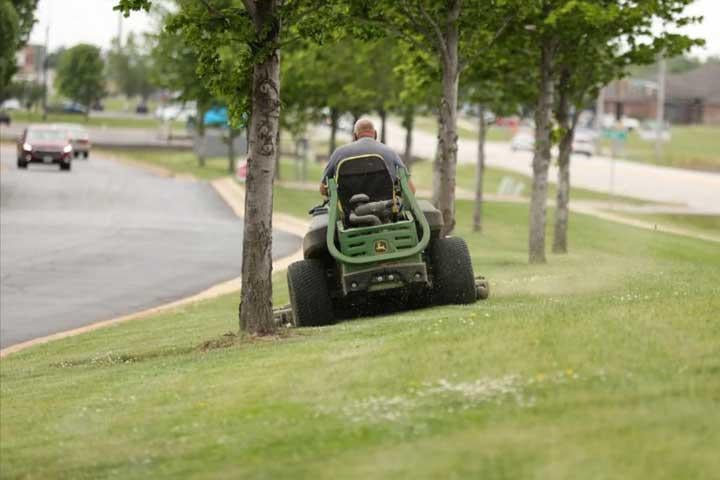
(309, 295)
(453, 278)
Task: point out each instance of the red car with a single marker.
(45, 144)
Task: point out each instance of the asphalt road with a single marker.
(106, 240)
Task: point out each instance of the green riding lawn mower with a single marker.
(374, 248)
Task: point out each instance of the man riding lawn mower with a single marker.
(375, 243)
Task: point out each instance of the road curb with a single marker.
(234, 196)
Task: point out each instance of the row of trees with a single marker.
(17, 18)
(551, 54)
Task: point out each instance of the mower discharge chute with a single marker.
(373, 245)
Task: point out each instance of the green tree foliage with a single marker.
(129, 66)
(80, 74)
(239, 61)
(17, 18)
(446, 32)
(28, 93)
(586, 43)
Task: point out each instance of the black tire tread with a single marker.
(453, 277)
(309, 295)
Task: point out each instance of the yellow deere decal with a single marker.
(381, 246)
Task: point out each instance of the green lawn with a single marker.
(181, 162)
(118, 122)
(696, 223)
(694, 147)
(601, 364)
(185, 162)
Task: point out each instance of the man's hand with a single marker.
(323, 190)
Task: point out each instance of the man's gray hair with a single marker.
(363, 125)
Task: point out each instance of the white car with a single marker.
(583, 143)
(176, 111)
(523, 140)
(11, 104)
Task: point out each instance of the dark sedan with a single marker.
(44, 144)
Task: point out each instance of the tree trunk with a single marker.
(541, 159)
(232, 133)
(436, 168)
(383, 122)
(448, 120)
(256, 294)
(479, 173)
(333, 130)
(200, 130)
(278, 153)
(409, 124)
(567, 125)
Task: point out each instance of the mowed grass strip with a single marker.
(144, 122)
(601, 364)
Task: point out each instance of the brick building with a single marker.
(691, 98)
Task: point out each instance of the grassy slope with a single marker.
(695, 147)
(186, 162)
(601, 364)
(147, 122)
(693, 223)
(494, 133)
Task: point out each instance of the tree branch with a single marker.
(251, 8)
(418, 24)
(440, 38)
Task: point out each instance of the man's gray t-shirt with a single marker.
(364, 146)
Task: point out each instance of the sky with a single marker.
(94, 21)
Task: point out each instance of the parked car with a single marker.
(73, 107)
(176, 111)
(583, 143)
(4, 118)
(79, 138)
(47, 144)
(142, 109)
(11, 104)
(523, 140)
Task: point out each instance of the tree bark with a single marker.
(448, 119)
(200, 129)
(567, 124)
(479, 173)
(541, 159)
(436, 168)
(383, 122)
(409, 124)
(333, 130)
(256, 294)
(232, 133)
(278, 153)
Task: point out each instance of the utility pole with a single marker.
(660, 109)
(45, 69)
(119, 31)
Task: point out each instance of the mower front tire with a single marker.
(309, 295)
(453, 278)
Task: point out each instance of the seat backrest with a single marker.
(366, 174)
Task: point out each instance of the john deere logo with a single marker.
(381, 246)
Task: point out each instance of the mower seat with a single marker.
(366, 175)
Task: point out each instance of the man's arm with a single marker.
(328, 172)
(400, 164)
